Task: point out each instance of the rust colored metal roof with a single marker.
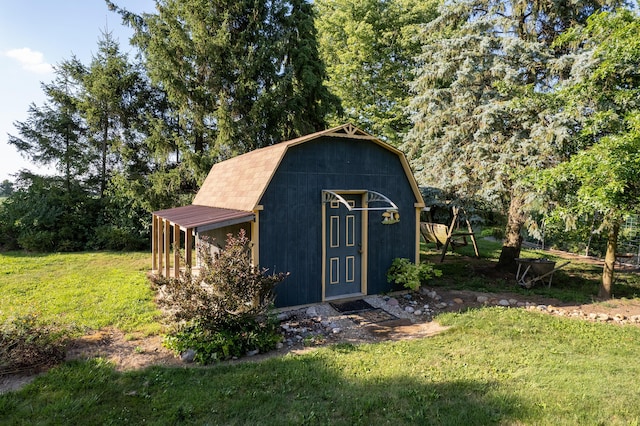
(204, 217)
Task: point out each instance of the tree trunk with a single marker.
(512, 238)
(103, 172)
(609, 262)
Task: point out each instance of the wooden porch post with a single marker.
(154, 243)
(160, 240)
(255, 236)
(187, 246)
(418, 207)
(167, 247)
(176, 250)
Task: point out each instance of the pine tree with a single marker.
(233, 73)
(109, 106)
(53, 133)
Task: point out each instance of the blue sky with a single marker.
(36, 34)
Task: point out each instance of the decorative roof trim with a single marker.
(371, 197)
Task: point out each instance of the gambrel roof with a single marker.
(240, 182)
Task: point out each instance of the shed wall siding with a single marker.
(291, 222)
(217, 238)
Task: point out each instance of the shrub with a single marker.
(229, 342)
(26, 342)
(110, 237)
(222, 311)
(410, 275)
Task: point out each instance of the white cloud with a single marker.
(30, 60)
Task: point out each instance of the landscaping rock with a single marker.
(482, 299)
(283, 316)
(409, 309)
(188, 356)
(504, 302)
(253, 352)
(393, 302)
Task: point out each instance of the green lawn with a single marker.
(494, 366)
(87, 290)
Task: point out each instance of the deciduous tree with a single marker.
(370, 48)
(604, 96)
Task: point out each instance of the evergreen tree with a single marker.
(6, 188)
(369, 47)
(53, 133)
(482, 112)
(305, 99)
(231, 73)
(109, 106)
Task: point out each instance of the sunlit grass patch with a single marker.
(86, 290)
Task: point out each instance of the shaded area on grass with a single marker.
(293, 390)
(494, 366)
(577, 282)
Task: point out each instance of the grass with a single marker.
(577, 282)
(84, 290)
(494, 366)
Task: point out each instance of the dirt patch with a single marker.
(125, 352)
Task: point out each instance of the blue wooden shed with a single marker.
(333, 209)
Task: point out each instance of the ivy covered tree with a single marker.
(483, 112)
(602, 95)
(235, 72)
(369, 47)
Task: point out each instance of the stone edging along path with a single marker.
(414, 313)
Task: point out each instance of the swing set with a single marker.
(444, 235)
